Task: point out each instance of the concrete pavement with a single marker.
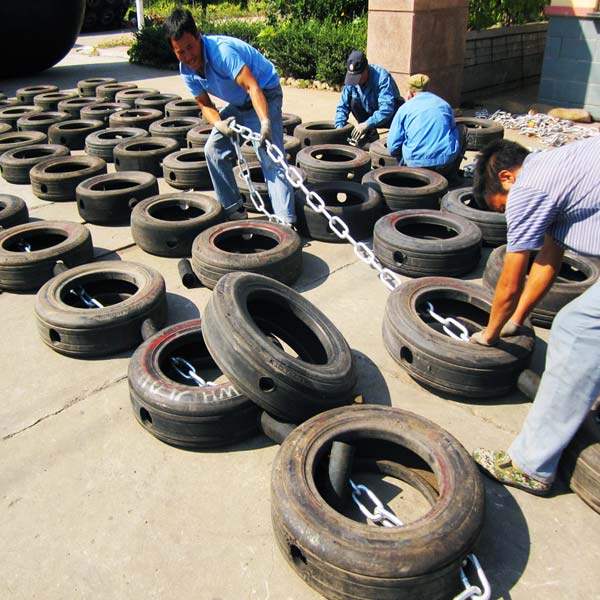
(92, 506)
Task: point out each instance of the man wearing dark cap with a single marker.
(370, 94)
(424, 132)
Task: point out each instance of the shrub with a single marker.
(313, 49)
(490, 13)
(321, 10)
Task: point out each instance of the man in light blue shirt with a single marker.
(371, 95)
(234, 71)
(552, 202)
(424, 132)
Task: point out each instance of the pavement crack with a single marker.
(318, 280)
(72, 402)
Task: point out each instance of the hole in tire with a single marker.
(297, 557)
(266, 384)
(145, 417)
(406, 355)
(44, 188)
(398, 257)
(81, 205)
(171, 243)
(54, 336)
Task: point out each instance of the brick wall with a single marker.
(571, 68)
(503, 58)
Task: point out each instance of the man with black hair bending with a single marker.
(551, 201)
(234, 71)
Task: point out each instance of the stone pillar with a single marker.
(571, 69)
(420, 36)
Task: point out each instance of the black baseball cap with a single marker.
(355, 65)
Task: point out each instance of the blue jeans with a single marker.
(568, 388)
(221, 157)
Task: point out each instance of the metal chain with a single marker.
(293, 175)
(191, 375)
(447, 322)
(85, 297)
(380, 514)
(474, 591)
(553, 132)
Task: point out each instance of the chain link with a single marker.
(191, 374)
(473, 591)
(85, 297)
(380, 514)
(446, 322)
(294, 176)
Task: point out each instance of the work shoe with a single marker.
(237, 214)
(498, 465)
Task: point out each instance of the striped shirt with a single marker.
(558, 193)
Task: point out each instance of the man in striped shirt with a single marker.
(552, 202)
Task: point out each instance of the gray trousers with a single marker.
(568, 388)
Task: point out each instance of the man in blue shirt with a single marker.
(551, 201)
(424, 132)
(234, 71)
(371, 95)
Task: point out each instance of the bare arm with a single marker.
(506, 296)
(246, 80)
(543, 271)
(209, 112)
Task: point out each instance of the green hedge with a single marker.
(342, 10)
(489, 13)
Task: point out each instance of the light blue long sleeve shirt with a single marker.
(424, 132)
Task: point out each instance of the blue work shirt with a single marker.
(379, 98)
(424, 132)
(224, 58)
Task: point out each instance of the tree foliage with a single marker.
(491, 13)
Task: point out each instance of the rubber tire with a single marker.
(19, 139)
(290, 122)
(287, 387)
(440, 362)
(49, 183)
(73, 106)
(183, 108)
(173, 238)
(15, 165)
(187, 169)
(431, 186)
(352, 164)
(5, 128)
(92, 332)
(257, 178)
(50, 100)
(492, 224)
(103, 199)
(156, 101)
(480, 132)
(107, 91)
(13, 211)
(580, 462)
(87, 87)
(282, 262)
(380, 155)
(347, 560)
(198, 136)
(175, 128)
(415, 257)
(360, 210)
(25, 95)
(144, 154)
(559, 294)
(73, 133)
(13, 112)
(314, 133)
(27, 271)
(102, 142)
(100, 111)
(183, 415)
(134, 117)
(127, 97)
(41, 121)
